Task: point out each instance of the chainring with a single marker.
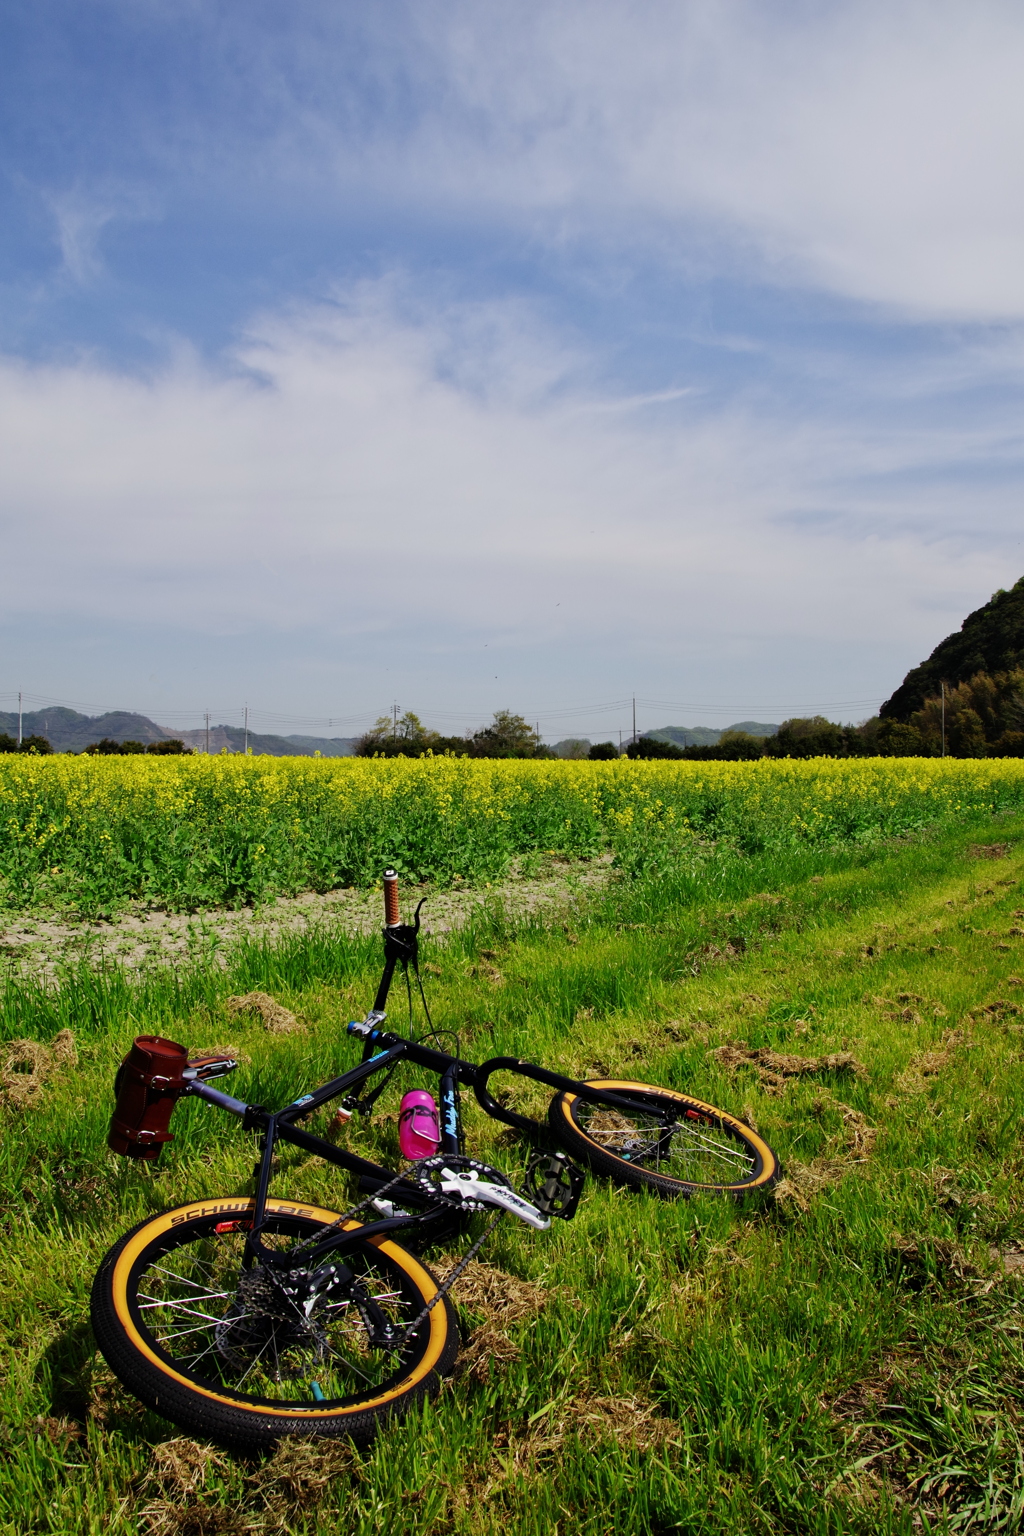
(430, 1171)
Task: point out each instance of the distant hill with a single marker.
(991, 639)
(231, 738)
(68, 731)
(706, 735)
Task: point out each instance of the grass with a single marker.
(844, 1358)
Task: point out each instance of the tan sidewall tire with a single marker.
(222, 1415)
(576, 1140)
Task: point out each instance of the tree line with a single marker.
(508, 735)
(982, 717)
(107, 747)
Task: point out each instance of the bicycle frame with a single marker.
(382, 1050)
(280, 1125)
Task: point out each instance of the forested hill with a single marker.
(68, 731)
(989, 640)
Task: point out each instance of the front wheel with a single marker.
(669, 1142)
(223, 1353)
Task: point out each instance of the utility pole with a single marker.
(394, 726)
(19, 717)
(943, 687)
(634, 717)
(207, 718)
(247, 730)
(620, 743)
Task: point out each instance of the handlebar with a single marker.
(391, 917)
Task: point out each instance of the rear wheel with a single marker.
(226, 1353)
(697, 1147)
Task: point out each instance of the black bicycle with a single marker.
(250, 1317)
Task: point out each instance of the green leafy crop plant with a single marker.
(88, 835)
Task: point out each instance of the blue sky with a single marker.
(530, 356)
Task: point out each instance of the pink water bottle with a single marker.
(419, 1126)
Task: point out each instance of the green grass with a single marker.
(845, 1359)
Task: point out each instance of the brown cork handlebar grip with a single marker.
(391, 917)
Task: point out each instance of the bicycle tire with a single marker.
(704, 1139)
(177, 1269)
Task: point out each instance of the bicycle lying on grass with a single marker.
(247, 1318)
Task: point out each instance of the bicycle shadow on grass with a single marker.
(79, 1388)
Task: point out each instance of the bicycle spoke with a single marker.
(248, 1350)
(182, 1332)
(178, 1306)
(173, 1275)
(679, 1149)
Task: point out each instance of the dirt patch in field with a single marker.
(141, 939)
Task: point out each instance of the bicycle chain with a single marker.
(339, 1221)
(446, 1284)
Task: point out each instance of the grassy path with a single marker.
(843, 1358)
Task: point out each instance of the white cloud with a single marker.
(376, 464)
(81, 214)
(872, 149)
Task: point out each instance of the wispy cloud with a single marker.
(351, 468)
(81, 214)
(868, 150)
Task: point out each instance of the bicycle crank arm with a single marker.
(464, 1186)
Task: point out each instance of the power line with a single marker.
(265, 720)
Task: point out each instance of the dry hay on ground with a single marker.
(998, 1011)
(922, 1068)
(854, 1144)
(165, 1517)
(298, 1474)
(181, 1466)
(276, 1019)
(634, 1423)
(282, 1490)
(502, 1301)
(28, 1063)
(903, 1009)
(774, 1067)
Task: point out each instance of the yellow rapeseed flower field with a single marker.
(92, 832)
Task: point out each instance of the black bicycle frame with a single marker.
(381, 1051)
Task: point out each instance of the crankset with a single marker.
(474, 1186)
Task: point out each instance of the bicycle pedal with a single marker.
(554, 1185)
